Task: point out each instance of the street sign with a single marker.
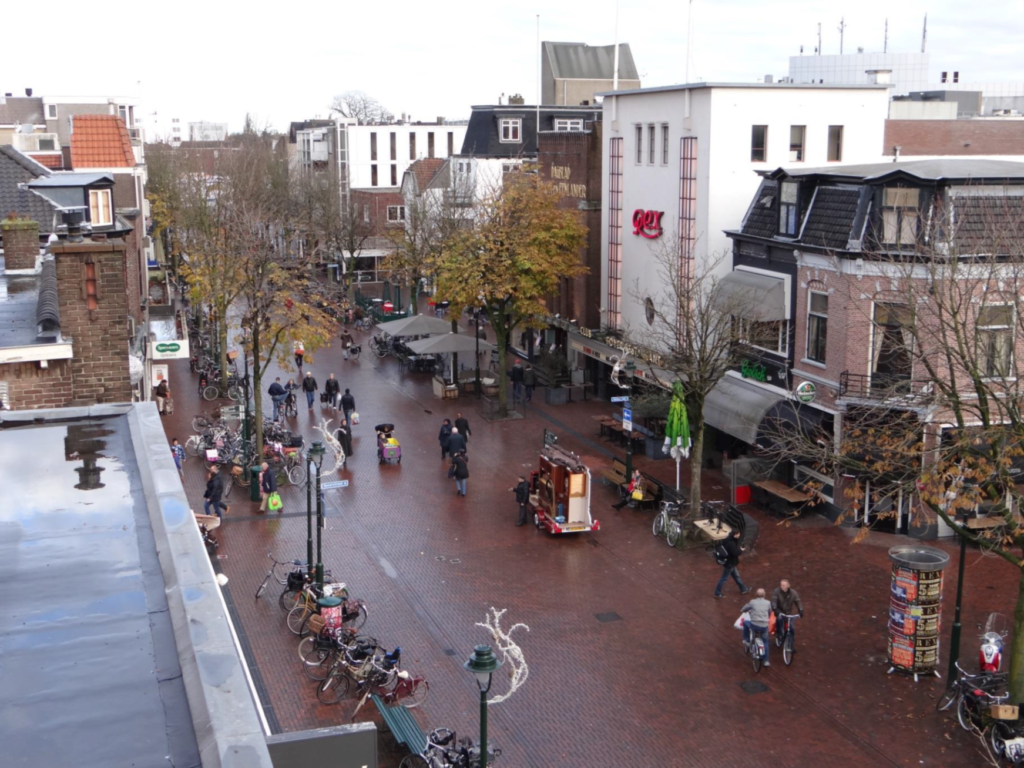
(550, 438)
(330, 486)
(627, 419)
(621, 399)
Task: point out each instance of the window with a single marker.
(789, 209)
(956, 77)
(614, 317)
(451, 143)
(769, 335)
(569, 124)
(366, 214)
(899, 216)
(995, 340)
(51, 111)
(835, 143)
(892, 338)
(796, 143)
(47, 144)
(122, 112)
(664, 145)
(651, 146)
(511, 128)
(175, 120)
(100, 214)
(394, 145)
(373, 145)
(412, 146)
(177, 129)
(394, 175)
(817, 326)
(944, 77)
(396, 213)
(758, 143)
(639, 144)
(430, 144)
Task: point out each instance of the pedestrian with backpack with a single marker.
(727, 554)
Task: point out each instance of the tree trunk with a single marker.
(412, 289)
(455, 355)
(696, 459)
(1017, 648)
(501, 339)
(222, 339)
(257, 392)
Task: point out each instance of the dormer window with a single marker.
(100, 210)
(789, 209)
(899, 216)
(511, 129)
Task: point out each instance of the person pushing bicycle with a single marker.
(786, 602)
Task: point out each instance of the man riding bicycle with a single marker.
(786, 601)
(759, 609)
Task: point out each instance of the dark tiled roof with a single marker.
(21, 109)
(48, 308)
(830, 220)
(760, 222)
(17, 170)
(482, 133)
(988, 224)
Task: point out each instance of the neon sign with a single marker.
(647, 223)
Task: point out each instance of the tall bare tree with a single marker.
(362, 107)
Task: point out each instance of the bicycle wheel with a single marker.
(289, 598)
(333, 689)
(227, 490)
(199, 423)
(381, 350)
(659, 524)
(358, 618)
(414, 761)
(298, 619)
(964, 713)
(780, 634)
(243, 478)
(672, 533)
(194, 445)
(755, 657)
(787, 650)
(354, 353)
(947, 698)
(418, 695)
(234, 392)
(317, 663)
(263, 586)
(296, 474)
(997, 736)
(210, 393)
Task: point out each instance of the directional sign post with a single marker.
(627, 419)
(330, 486)
(627, 429)
(620, 399)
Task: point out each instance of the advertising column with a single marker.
(915, 609)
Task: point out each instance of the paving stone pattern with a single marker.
(664, 684)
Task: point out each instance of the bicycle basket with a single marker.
(296, 580)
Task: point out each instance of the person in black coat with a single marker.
(456, 443)
(462, 424)
(309, 386)
(348, 405)
(268, 485)
(444, 437)
(516, 374)
(215, 493)
(331, 388)
(345, 439)
(461, 472)
(522, 499)
(733, 549)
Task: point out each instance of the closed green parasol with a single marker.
(677, 429)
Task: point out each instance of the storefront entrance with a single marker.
(884, 510)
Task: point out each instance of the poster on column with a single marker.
(159, 374)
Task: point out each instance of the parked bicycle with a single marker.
(353, 664)
(293, 579)
(669, 523)
(443, 751)
(364, 324)
(964, 681)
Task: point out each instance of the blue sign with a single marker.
(334, 484)
(621, 399)
(627, 419)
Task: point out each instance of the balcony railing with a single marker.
(882, 387)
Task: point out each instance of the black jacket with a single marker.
(276, 390)
(332, 386)
(463, 426)
(522, 492)
(732, 547)
(214, 488)
(530, 377)
(516, 373)
(445, 435)
(786, 602)
(161, 388)
(344, 436)
(269, 483)
(309, 384)
(461, 468)
(348, 403)
(456, 442)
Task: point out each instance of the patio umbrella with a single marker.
(446, 344)
(677, 429)
(417, 325)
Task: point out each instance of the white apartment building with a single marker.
(379, 155)
(684, 159)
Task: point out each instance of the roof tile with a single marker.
(100, 141)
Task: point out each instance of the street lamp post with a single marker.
(954, 636)
(476, 318)
(483, 663)
(316, 456)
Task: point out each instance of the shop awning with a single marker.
(752, 296)
(738, 409)
(795, 426)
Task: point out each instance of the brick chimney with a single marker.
(21, 243)
(93, 302)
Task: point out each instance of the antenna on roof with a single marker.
(842, 29)
(615, 64)
(818, 50)
(885, 45)
(924, 33)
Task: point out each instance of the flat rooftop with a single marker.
(769, 86)
(89, 674)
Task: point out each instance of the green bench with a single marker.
(402, 725)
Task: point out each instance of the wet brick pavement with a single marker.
(661, 686)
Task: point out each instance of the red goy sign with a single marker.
(647, 223)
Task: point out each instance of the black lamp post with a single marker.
(954, 636)
(476, 317)
(483, 663)
(316, 456)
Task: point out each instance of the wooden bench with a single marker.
(654, 491)
(617, 474)
(402, 725)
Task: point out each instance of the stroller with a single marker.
(388, 448)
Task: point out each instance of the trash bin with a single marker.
(915, 608)
(254, 483)
(330, 611)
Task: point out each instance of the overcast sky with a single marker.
(217, 60)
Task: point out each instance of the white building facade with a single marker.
(379, 155)
(682, 162)
(206, 131)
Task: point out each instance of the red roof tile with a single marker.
(100, 141)
(50, 161)
(425, 169)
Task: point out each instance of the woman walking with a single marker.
(445, 436)
(461, 472)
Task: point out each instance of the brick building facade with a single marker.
(988, 136)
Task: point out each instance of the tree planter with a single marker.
(556, 395)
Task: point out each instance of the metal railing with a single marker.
(881, 386)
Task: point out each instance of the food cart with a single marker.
(560, 493)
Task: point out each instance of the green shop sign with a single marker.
(753, 370)
(169, 347)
